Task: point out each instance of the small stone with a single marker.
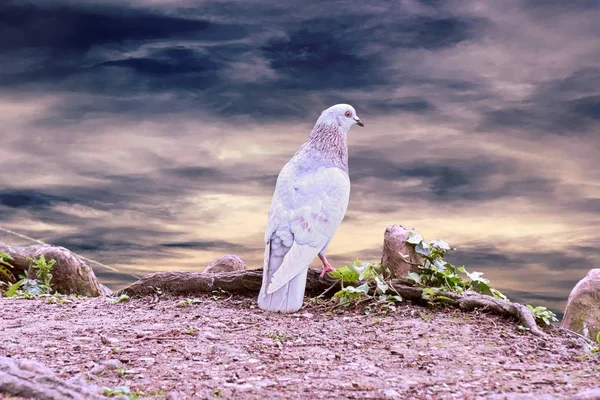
(210, 336)
(172, 396)
(106, 365)
(391, 393)
(108, 341)
(589, 394)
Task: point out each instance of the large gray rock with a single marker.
(582, 314)
(394, 246)
(70, 274)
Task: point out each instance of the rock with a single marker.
(582, 314)
(226, 263)
(589, 394)
(31, 380)
(391, 394)
(70, 274)
(518, 396)
(394, 244)
(106, 365)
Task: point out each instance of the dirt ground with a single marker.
(228, 348)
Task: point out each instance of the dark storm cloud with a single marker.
(493, 256)
(167, 62)
(568, 107)
(446, 180)
(66, 28)
(559, 6)
(88, 49)
(218, 245)
(30, 199)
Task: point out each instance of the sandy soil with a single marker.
(228, 348)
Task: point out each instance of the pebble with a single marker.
(391, 393)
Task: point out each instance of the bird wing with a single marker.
(306, 210)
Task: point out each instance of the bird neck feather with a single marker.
(330, 142)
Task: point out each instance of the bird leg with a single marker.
(326, 266)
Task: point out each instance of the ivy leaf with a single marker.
(423, 248)
(440, 244)
(346, 274)
(476, 277)
(428, 293)
(382, 287)
(415, 277)
(414, 237)
(440, 265)
(363, 288)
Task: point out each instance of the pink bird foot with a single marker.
(326, 266)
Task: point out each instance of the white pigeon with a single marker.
(309, 203)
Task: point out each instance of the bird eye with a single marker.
(348, 114)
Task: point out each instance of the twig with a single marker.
(328, 289)
(587, 340)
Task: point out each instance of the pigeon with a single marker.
(309, 203)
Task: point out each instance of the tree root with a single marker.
(32, 380)
(248, 283)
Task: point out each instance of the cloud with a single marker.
(30, 199)
(65, 28)
(196, 62)
(568, 106)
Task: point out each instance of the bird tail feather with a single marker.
(289, 296)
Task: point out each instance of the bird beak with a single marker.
(359, 122)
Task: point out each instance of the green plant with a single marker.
(373, 286)
(121, 371)
(438, 274)
(188, 302)
(189, 331)
(278, 338)
(219, 294)
(6, 276)
(28, 288)
(542, 315)
(122, 298)
(125, 392)
(42, 270)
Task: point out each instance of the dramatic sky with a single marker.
(148, 134)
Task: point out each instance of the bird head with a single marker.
(342, 115)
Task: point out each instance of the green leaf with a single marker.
(598, 338)
(382, 287)
(363, 288)
(346, 274)
(423, 248)
(122, 298)
(440, 265)
(12, 290)
(415, 277)
(440, 244)
(414, 237)
(428, 293)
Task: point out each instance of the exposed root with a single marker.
(248, 283)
